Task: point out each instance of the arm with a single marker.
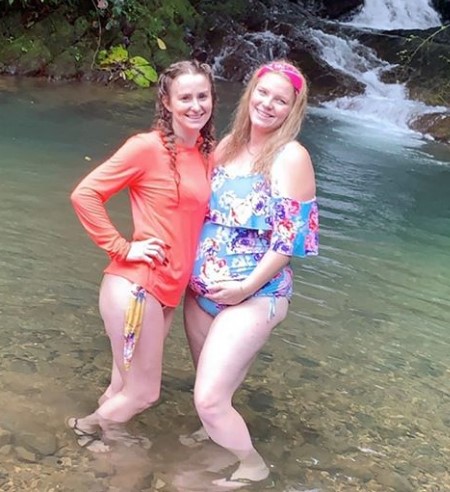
(293, 177)
(123, 169)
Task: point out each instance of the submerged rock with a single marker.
(41, 443)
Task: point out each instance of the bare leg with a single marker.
(234, 339)
(114, 387)
(196, 325)
(141, 383)
(116, 384)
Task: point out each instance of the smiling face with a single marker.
(271, 101)
(190, 102)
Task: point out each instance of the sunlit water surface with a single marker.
(351, 393)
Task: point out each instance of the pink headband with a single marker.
(286, 69)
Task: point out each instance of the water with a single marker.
(387, 15)
(351, 393)
(383, 103)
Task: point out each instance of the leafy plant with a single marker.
(118, 63)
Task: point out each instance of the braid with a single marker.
(163, 123)
(163, 117)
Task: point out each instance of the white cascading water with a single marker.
(255, 48)
(396, 14)
(381, 103)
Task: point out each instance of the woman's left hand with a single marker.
(229, 292)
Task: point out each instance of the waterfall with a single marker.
(381, 103)
(253, 48)
(396, 14)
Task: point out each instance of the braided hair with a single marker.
(163, 117)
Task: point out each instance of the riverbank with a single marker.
(129, 48)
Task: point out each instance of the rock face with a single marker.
(235, 37)
(443, 7)
(236, 44)
(334, 10)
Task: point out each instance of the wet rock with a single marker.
(304, 361)
(265, 356)
(51, 461)
(23, 366)
(159, 484)
(5, 437)
(25, 455)
(359, 471)
(42, 443)
(6, 450)
(392, 480)
(69, 361)
(443, 7)
(3, 478)
(333, 9)
(437, 125)
(366, 420)
(313, 456)
(102, 360)
(262, 402)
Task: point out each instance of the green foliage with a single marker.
(233, 8)
(141, 72)
(408, 55)
(153, 31)
(118, 63)
(41, 4)
(164, 22)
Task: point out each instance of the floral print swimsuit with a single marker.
(246, 218)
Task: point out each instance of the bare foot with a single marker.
(81, 428)
(93, 445)
(117, 433)
(249, 471)
(192, 440)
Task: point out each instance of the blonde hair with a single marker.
(239, 134)
(163, 117)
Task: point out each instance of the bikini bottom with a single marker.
(214, 308)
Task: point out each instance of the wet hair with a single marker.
(163, 117)
(239, 134)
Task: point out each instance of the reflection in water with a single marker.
(351, 393)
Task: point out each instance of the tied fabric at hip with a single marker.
(133, 323)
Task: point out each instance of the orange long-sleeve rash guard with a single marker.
(142, 165)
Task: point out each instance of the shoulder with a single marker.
(293, 157)
(293, 172)
(149, 140)
(139, 149)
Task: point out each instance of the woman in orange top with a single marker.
(167, 174)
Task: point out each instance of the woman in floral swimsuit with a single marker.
(262, 211)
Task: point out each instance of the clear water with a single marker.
(351, 393)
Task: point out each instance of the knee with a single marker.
(209, 404)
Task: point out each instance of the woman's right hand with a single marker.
(148, 251)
